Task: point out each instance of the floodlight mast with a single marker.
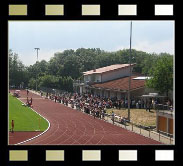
(37, 52)
(129, 83)
(36, 61)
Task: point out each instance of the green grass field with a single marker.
(24, 118)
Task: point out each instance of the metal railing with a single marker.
(165, 138)
(51, 90)
(160, 136)
(164, 109)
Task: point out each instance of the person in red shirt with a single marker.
(12, 126)
(55, 98)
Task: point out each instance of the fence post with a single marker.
(132, 126)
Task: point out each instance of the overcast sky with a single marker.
(56, 36)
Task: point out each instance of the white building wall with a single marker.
(111, 75)
(96, 77)
(115, 74)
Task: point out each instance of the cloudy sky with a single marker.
(56, 36)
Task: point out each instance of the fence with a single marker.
(163, 137)
(51, 90)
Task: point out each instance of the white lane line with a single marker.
(39, 134)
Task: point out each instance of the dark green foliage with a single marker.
(18, 73)
(162, 74)
(60, 71)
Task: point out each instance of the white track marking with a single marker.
(39, 134)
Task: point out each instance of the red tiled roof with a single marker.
(121, 84)
(107, 68)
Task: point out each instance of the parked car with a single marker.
(16, 93)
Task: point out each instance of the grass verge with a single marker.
(24, 118)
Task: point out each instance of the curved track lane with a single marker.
(71, 127)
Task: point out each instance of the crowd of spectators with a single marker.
(96, 105)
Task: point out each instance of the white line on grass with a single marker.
(39, 134)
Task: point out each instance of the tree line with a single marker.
(65, 67)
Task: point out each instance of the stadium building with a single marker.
(111, 81)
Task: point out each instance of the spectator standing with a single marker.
(126, 103)
(148, 105)
(103, 115)
(27, 92)
(137, 105)
(139, 102)
(55, 98)
(113, 117)
(133, 103)
(153, 104)
(119, 105)
(94, 113)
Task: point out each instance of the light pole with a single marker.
(36, 61)
(129, 81)
(37, 52)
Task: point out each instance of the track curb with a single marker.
(49, 125)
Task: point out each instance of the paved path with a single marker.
(72, 127)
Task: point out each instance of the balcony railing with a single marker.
(79, 82)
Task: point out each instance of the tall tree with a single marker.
(71, 63)
(17, 71)
(162, 75)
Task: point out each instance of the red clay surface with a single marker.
(71, 127)
(20, 136)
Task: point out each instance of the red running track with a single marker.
(20, 136)
(71, 127)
